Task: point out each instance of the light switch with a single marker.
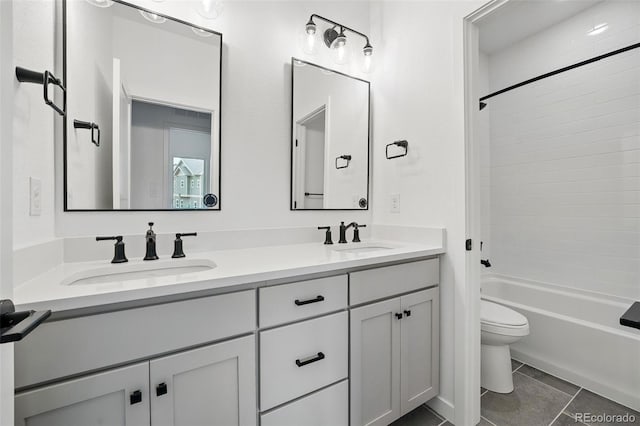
(35, 196)
(395, 203)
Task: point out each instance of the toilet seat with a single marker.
(498, 319)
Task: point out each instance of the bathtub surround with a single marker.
(563, 157)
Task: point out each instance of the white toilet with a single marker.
(499, 327)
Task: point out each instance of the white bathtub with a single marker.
(574, 335)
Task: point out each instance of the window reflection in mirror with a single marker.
(330, 140)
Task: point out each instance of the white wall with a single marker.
(33, 138)
(565, 155)
(419, 96)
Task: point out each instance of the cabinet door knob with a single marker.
(161, 389)
(398, 315)
(135, 397)
(407, 312)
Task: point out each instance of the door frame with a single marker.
(299, 158)
(467, 329)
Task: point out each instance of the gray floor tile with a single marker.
(565, 420)
(589, 402)
(532, 403)
(561, 385)
(421, 416)
(484, 422)
(515, 364)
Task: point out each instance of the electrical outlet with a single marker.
(35, 196)
(395, 203)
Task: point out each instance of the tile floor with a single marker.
(538, 399)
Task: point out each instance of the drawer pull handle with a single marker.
(135, 397)
(306, 302)
(407, 312)
(399, 315)
(161, 389)
(307, 361)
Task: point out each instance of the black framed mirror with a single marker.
(142, 130)
(330, 121)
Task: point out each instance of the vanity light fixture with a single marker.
(598, 29)
(153, 17)
(335, 38)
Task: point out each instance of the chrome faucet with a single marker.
(151, 244)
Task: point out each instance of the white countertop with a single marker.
(234, 268)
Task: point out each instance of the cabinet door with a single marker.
(420, 348)
(115, 397)
(375, 363)
(214, 386)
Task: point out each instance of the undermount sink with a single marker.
(362, 248)
(138, 271)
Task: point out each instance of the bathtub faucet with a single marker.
(486, 263)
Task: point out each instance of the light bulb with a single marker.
(341, 54)
(310, 44)
(100, 3)
(367, 53)
(153, 17)
(209, 9)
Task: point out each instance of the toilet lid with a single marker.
(492, 313)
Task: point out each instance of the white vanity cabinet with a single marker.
(213, 385)
(117, 397)
(394, 344)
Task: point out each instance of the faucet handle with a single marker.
(356, 232)
(118, 255)
(177, 244)
(327, 235)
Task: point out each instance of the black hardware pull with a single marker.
(15, 326)
(161, 389)
(306, 302)
(407, 312)
(308, 361)
(399, 316)
(135, 397)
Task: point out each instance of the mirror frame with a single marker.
(292, 148)
(66, 118)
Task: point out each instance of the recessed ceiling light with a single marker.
(153, 17)
(598, 29)
(201, 32)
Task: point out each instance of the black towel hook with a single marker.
(77, 124)
(45, 78)
(402, 144)
(347, 158)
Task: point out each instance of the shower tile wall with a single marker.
(564, 167)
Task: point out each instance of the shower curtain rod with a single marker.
(558, 71)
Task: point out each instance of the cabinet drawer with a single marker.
(296, 301)
(378, 283)
(300, 358)
(330, 406)
(87, 343)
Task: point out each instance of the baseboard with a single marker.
(442, 407)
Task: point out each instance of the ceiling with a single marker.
(519, 19)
